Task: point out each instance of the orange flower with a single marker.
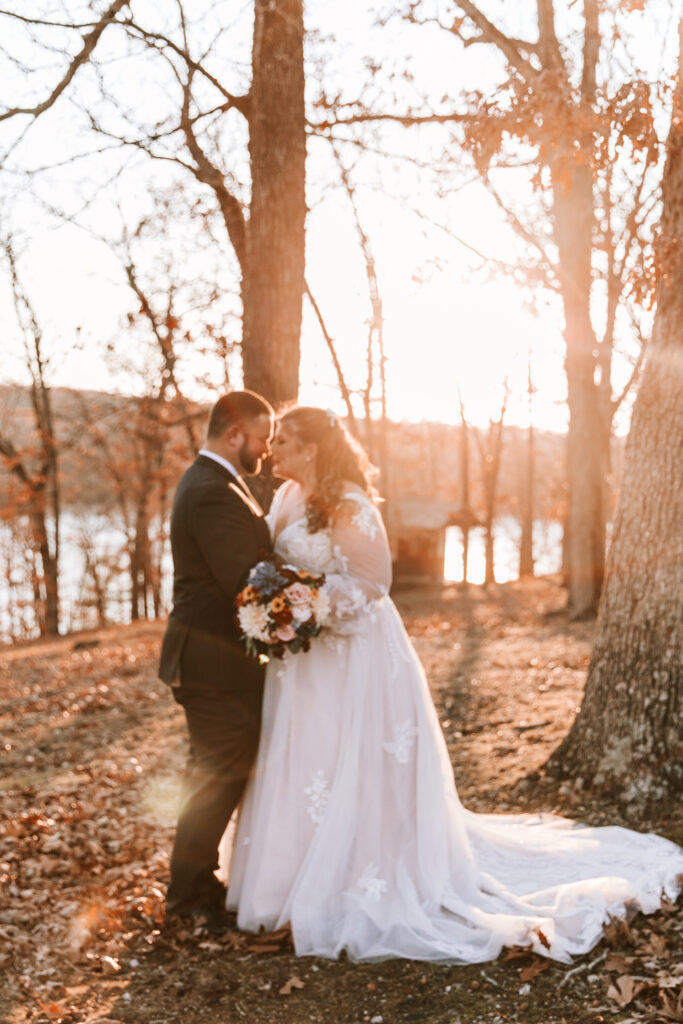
(278, 604)
(284, 617)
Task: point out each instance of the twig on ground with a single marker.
(580, 968)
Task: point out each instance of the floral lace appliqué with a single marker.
(402, 742)
(319, 795)
(350, 605)
(364, 515)
(373, 886)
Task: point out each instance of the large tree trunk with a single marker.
(273, 283)
(573, 220)
(628, 737)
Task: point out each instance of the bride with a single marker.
(351, 828)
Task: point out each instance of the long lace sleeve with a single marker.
(362, 561)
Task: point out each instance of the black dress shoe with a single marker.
(216, 893)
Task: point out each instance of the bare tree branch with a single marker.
(89, 43)
(240, 103)
(510, 48)
(343, 387)
(207, 173)
(637, 367)
(76, 26)
(529, 237)
(406, 119)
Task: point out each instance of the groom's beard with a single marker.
(248, 462)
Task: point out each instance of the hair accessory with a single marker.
(332, 417)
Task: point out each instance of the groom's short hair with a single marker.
(235, 408)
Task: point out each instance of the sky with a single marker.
(448, 323)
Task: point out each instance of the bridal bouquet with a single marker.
(281, 609)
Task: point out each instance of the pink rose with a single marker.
(285, 633)
(297, 593)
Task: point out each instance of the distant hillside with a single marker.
(79, 416)
(424, 458)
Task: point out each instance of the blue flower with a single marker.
(266, 578)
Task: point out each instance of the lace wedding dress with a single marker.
(352, 829)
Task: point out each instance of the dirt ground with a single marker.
(92, 750)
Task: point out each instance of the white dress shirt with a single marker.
(224, 463)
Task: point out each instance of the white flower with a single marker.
(374, 887)
(321, 605)
(319, 794)
(253, 619)
(403, 741)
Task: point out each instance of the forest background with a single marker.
(458, 225)
(431, 209)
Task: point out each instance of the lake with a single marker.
(106, 538)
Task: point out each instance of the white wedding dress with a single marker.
(352, 830)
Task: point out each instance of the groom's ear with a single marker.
(234, 432)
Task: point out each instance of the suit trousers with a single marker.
(224, 734)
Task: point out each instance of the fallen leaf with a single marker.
(517, 953)
(623, 990)
(290, 985)
(542, 938)
(278, 936)
(534, 969)
(671, 1010)
(664, 980)
(51, 1009)
(264, 947)
(656, 944)
(618, 962)
(618, 933)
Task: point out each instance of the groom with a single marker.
(218, 532)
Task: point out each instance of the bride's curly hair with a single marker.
(340, 459)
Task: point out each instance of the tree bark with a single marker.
(573, 222)
(628, 736)
(273, 282)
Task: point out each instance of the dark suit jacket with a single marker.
(218, 532)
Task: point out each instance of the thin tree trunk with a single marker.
(526, 543)
(273, 282)
(464, 490)
(627, 737)
(490, 467)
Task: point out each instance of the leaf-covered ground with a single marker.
(93, 746)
